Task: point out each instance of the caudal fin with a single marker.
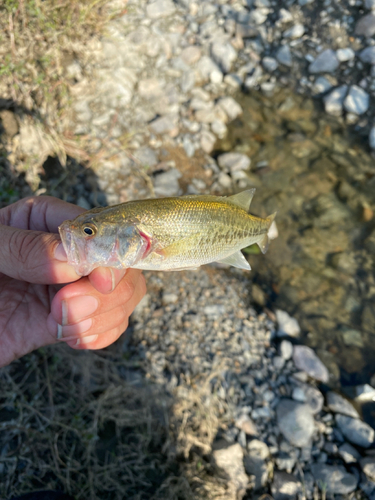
(269, 235)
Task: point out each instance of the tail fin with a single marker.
(269, 235)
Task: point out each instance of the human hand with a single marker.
(35, 309)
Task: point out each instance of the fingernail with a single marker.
(116, 275)
(113, 279)
(71, 332)
(60, 253)
(87, 340)
(64, 313)
(78, 308)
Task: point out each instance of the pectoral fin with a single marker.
(179, 247)
(236, 260)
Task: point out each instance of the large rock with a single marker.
(356, 431)
(322, 85)
(295, 421)
(164, 124)
(166, 183)
(305, 359)
(286, 349)
(366, 26)
(368, 467)
(296, 31)
(229, 462)
(191, 55)
(344, 55)
(233, 162)
(357, 101)
(224, 55)
(368, 55)
(285, 486)
(207, 68)
(333, 102)
(308, 394)
(326, 62)
(286, 324)
(338, 404)
(230, 107)
(256, 462)
(284, 56)
(333, 479)
(160, 8)
(348, 453)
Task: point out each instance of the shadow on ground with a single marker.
(84, 423)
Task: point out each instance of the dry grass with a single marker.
(37, 39)
(87, 423)
(70, 421)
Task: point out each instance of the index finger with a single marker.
(39, 213)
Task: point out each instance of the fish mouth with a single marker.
(74, 249)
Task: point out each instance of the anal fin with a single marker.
(236, 260)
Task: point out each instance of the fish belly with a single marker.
(196, 255)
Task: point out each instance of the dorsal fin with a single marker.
(242, 199)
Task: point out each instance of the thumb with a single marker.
(34, 256)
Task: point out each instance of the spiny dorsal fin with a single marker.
(236, 260)
(243, 199)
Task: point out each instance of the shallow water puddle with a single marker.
(321, 269)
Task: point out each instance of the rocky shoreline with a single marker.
(281, 430)
(155, 94)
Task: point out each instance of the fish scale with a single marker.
(166, 234)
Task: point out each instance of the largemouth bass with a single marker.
(165, 234)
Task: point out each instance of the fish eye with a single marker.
(89, 229)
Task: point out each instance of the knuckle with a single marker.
(25, 249)
(19, 246)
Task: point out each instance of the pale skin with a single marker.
(42, 300)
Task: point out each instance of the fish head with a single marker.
(90, 241)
